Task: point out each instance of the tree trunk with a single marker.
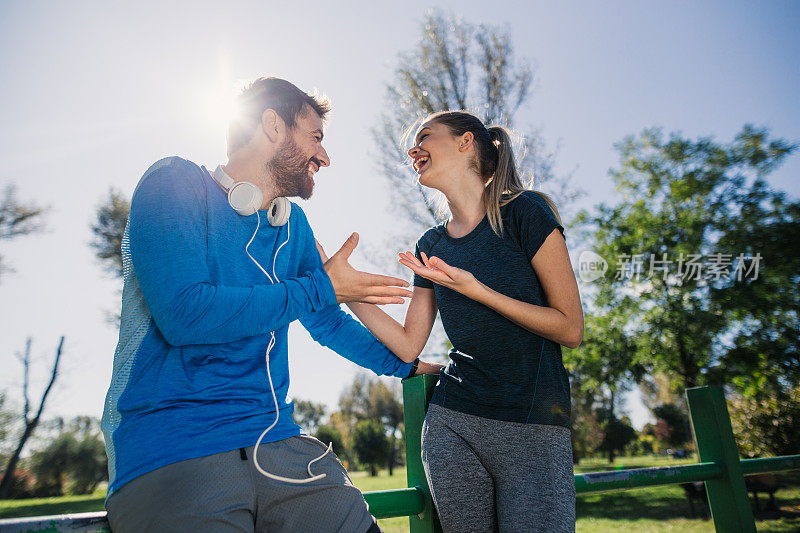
(391, 455)
(373, 471)
(688, 367)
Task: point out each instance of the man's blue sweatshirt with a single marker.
(190, 376)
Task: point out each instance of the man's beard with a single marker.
(289, 168)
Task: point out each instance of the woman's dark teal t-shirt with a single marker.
(498, 369)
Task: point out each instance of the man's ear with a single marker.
(272, 125)
(466, 141)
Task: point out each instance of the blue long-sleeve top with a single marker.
(190, 375)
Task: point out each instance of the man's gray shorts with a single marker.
(225, 492)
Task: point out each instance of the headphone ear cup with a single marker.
(245, 198)
(279, 211)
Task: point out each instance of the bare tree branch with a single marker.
(30, 425)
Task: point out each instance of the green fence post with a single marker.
(713, 436)
(416, 395)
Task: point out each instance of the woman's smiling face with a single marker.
(436, 150)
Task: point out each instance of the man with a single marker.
(201, 368)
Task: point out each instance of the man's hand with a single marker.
(428, 368)
(351, 285)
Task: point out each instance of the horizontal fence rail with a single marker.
(720, 468)
(645, 477)
(770, 464)
(395, 502)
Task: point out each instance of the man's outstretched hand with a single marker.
(351, 285)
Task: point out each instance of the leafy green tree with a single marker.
(763, 357)
(331, 435)
(682, 198)
(74, 462)
(88, 465)
(308, 414)
(371, 445)
(354, 400)
(49, 466)
(602, 368)
(767, 424)
(344, 426)
(672, 426)
(371, 399)
(386, 405)
(617, 434)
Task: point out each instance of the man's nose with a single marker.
(322, 155)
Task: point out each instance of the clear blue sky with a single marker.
(93, 93)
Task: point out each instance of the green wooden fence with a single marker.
(719, 467)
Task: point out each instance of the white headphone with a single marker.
(246, 198)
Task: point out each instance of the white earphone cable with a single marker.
(269, 374)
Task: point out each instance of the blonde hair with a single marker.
(495, 163)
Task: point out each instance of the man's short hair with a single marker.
(270, 93)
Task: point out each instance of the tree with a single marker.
(684, 198)
(354, 400)
(672, 425)
(767, 425)
(371, 399)
(604, 366)
(30, 423)
(763, 355)
(308, 414)
(108, 229)
(386, 406)
(17, 219)
(74, 462)
(330, 435)
(606, 359)
(6, 425)
(370, 444)
(344, 426)
(617, 434)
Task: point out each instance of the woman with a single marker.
(496, 442)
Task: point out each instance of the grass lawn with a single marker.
(657, 509)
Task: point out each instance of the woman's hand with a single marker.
(440, 272)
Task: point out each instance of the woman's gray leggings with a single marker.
(489, 475)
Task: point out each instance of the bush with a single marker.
(22, 486)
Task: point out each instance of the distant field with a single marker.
(656, 509)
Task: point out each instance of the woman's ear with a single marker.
(272, 125)
(466, 142)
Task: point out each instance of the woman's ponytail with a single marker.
(506, 184)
